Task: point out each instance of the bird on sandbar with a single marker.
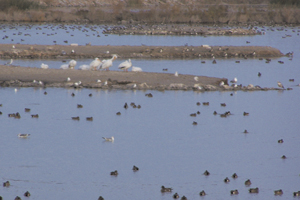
(136, 69)
(95, 64)
(280, 85)
(234, 80)
(109, 139)
(23, 135)
(108, 63)
(44, 66)
(125, 65)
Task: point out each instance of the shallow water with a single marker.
(67, 159)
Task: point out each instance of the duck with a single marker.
(193, 115)
(223, 104)
(280, 141)
(114, 173)
(245, 113)
(76, 118)
(226, 180)
(109, 139)
(125, 65)
(234, 176)
(198, 112)
(205, 103)
(106, 64)
(27, 194)
(296, 194)
(6, 184)
(35, 116)
(202, 193)
(248, 182)
(164, 189)
(198, 103)
(118, 113)
(215, 113)
(72, 94)
(278, 192)
(18, 198)
(135, 168)
(183, 198)
(89, 118)
(175, 196)
(149, 95)
(23, 135)
(283, 157)
(206, 173)
(245, 131)
(139, 106)
(233, 192)
(95, 64)
(79, 106)
(253, 190)
(100, 198)
(125, 106)
(27, 109)
(90, 95)
(195, 123)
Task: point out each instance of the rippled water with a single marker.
(67, 159)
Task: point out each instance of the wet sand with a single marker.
(104, 52)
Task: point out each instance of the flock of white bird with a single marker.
(97, 64)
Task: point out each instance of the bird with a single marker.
(234, 80)
(84, 67)
(125, 65)
(136, 69)
(114, 173)
(248, 182)
(280, 85)
(135, 168)
(234, 175)
(206, 173)
(176, 73)
(109, 139)
(23, 135)
(253, 190)
(226, 180)
(9, 62)
(108, 63)
(234, 192)
(202, 193)
(72, 64)
(196, 78)
(278, 192)
(164, 189)
(44, 66)
(95, 64)
(68, 79)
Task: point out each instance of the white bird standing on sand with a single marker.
(44, 66)
(95, 64)
(72, 64)
(109, 139)
(125, 65)
(196, 78)
(23, 135)
(280, 84)
(234, 80)
(136, 69)
(9, 62)
(108, 63)
(176, 73)
(68, 79)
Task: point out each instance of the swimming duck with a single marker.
(183, 198)
(90, 95)
(206, 173)
(223, 104)
(195, 123)
(234, 176)
(125, 65)
(27, 194)
(114, 173)
(280, 141)
(89, 118)
(226, 180)
(205, 103)
(291, 80)
(248, 182)
(135, 168)
(125, 106)
(100, 198)
(259, 74)
(79, 106)
(215, 113)
(164, 189)
(6, 184)
(202, 193)
(109, 139)
(149, 95)
(214, 62)
(23, 135)
(193, 115)
(253, 190)
(106, 64)
(175, 196)
(27, 109)
(245, 131)
(18, 198)
(296, 194)
(45, 93)
(198, 103)
(245, 114)
(278, 192)
(139, 106)
(283, 157)
(118, 113)
(35, 116)
(233, 192)
(76, 118)
(72, 94)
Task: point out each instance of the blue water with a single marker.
(67, 159)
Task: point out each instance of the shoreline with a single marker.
(15, 76)
(73, 51)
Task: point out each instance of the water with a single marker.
(67, 159)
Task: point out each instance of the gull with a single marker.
(280, 84)
(23, 135)
(105, 83)
(40, 82)
(98, 81)
(109, 139)
(221, 83)
(176, 73)
(108, 63)
(196, 78)
(125, 65)
(44, 66)
(234, 80)
(136, 69)
(9, 62)
(68, 79)
(77, 83)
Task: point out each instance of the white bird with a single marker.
(109, 139)
(95, 64)
(98, 81)
(23, 135)
(41, 83)
(9, 62)
(72, 64)
(176, 73)
(221, 83)
(108, 63)
(280, 85)
(125, 65)
(84, 67)
(64, 66)
(77, 83)
(136, 69)
(44, 66)
(234, 80)
(68, 79)
(196, 78)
